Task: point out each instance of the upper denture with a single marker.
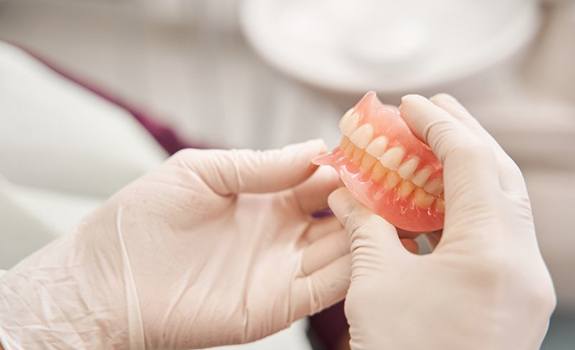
(376, 150)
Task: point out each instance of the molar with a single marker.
(421, 176)
(392, 158)
(422, 199)
(348, 150)
(408, 167)
(367, 162)
(362, 135)
(405, 189)
(357, 155)
(378, 172)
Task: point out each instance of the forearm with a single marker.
(51, 297)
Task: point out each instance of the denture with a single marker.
(387, 168)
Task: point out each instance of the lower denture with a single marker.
(385, 171)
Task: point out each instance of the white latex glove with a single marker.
(485, 286)
(212, 248)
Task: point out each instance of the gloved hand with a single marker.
(485, 286)
(212, 248)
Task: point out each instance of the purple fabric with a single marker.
(162, 133)
(328, 326)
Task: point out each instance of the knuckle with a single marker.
(494, 269)
(454, 141)
(500, 272)
(438, 131)
(352, 223)
(362, 222)
(446, 134)
(513, 168)
(472, 150)
(542, 298)
(372, 222)
(185, 155)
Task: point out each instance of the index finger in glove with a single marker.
(509, 173)
(468, 162)
(237, 171)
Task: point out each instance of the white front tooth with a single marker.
(345, 120)
(362, 135)
(392, 158)
(408, 167)
(421, 176)
(349, 123)
(434, 186)
(377, 147)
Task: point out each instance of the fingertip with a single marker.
(412, 105)
(452, 106)
(443, 97)
(411, 98)
(414, 111)
(328, 173)
(340, 201)
(305, 150)
(317, 145)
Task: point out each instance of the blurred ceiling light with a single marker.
(390, 46)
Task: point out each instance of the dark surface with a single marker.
(561, 334)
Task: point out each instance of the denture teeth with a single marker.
(349, 123)
(440, 205)
(362, 135)
(377, 147)
(421, 176)
(392, 158)
(391, 180)
(408, 167)
(344, 143)
(422, 199)
(378, 172)
(357, 155)
(344, 120)
(434, 186)
(367, 162)
(405, 189)
(348, 150)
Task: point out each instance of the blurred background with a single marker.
(93, 93)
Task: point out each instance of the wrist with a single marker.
(65, 294)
